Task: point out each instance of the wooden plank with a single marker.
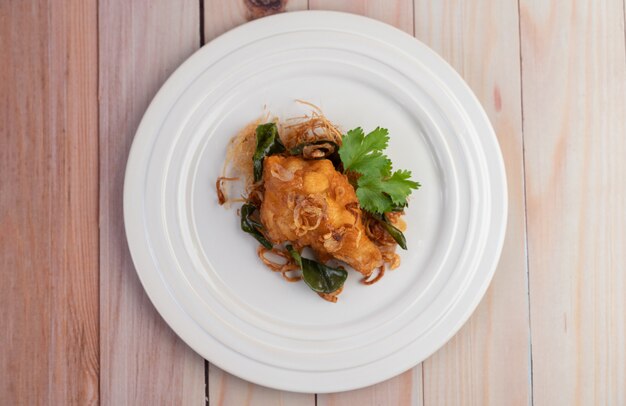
(398, 13)
(48, 203)
(221, 16)
(487, 362)
(142, 360)
(404, 389)
(574, 77)
(224, 388)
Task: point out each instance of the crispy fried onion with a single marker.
(333, 240)
(316, 151)
(385, 242)
(331, 297)
(309, 128)
(221, 195)
(353, 207)
(239, 153)
(390, 257)
(376, 232)
(369, 280)
(238, 163)
(281, 173)
(308, 213)
(285, 268)
(255, 193)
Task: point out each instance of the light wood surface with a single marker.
(48, 203)
(487, 362)
(574, 86)
(142, 360)
(77, 326)
(398, 13)
(221, 16)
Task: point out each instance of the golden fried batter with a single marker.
(309, 203)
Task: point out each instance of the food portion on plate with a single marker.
(304, 184)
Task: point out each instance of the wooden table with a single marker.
(77, 327)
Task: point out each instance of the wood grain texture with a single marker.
(404, 389)
(142, 360)
(224, 388)
(221, 16)
(48, 203)
(488, 361)
(574, 76)
(398, 13)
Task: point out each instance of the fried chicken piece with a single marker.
(309, 203)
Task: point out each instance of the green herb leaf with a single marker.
(253, 227)
(378, 189)
(371, 195)
(362, 153)
(394, 232)
(398, 186)
(400, 207)
(319, 277)
(384, 194)
(267, 143)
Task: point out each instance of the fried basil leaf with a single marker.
(267, 143)
(319, 277)
(318, 150)
(395, 233)
(253, 227)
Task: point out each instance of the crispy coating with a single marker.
(309, 203)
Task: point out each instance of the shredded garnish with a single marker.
(385, 242)
(389, 256)
(255, 193)
(309, 128)
(316, 151)
(356, 212)
(284, 268)
(219, 184)
(282, 173)
(376, 232)
(331, 297)
(377, 276)
(308, 214)
(333, 241)
(239, 154)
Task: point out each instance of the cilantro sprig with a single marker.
(379, 190)
(362, 153)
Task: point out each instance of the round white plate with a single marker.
(202, 273)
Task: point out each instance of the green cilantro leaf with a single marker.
(398, 186)
(381, 195)
(362, 154)
(371, 195)
(375, 164)
(378, 189)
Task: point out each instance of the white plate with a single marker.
(202, 273)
